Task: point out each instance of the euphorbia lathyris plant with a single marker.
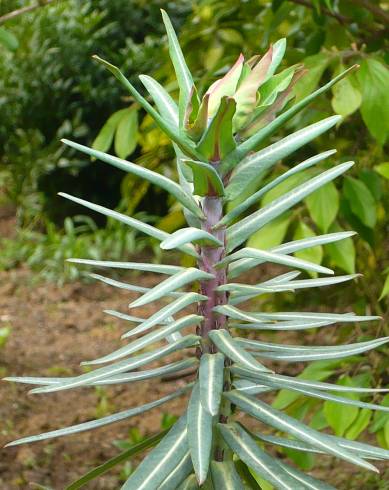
(218, 139)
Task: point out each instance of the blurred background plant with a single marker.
(50, 88)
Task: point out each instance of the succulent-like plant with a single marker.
(218, 139)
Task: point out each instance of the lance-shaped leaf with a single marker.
(128, 318)
(162, 460)
(283, 325)
(303, 383)
(154, 177)
(246, 95)
(326, 396)
(134, 223)
(164, 313)
(189, 235)
(225, 476)
(278, 52)
(116, 379)
(225, 86)
(196, 128)
(264, 159)
(225, 343)
(240, 231)
(359, 448)
(238, 210)
(272, 87)
(121, 366)
(241, 292)
(238, 314)
(199, 435)
(184, 77)
(211, 379)
(93, 424)
(170, 284)
(275, 258)
(206, 180)
(307, 481)
(178, 474)
(151, 338)
(170, 130)
(250, 387)
(218, 139)
(165, 104)
(245, 264)
(124, 285)
(285, 423)
(262, 463)
(254, 141)
(136, 266)
(329, 353)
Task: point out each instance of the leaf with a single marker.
(342, 253)
(225, 476)
(271, 234)
(225, 86)
(359, 424)
(306, 480)
(278, 52)
(272, 257)
(340, 417)
(250, 453)
(245, 264)
(137, 266)
(8, 39)
(189, 484)
(190, 235)
(237, 314)
(170, 284)
(165, 312)
(225, 343)
(162, 460)
(116, 379)
(124, 285)
(264, 159)
(374, 81)
(346, 97)
(121, 366)
(146, 340)
(165, 104)
(217, 140)
(237, 233)
(246, 94)
(385, 289)
(178, 474)
(285, 423)
(383, 169)
(313, 254)
(206, 180)
(184, 77)
(93, 424)
(127, 133)
(103, 140)
(323, 206)
(361, 201)
(111, 463)
(211, 380)
(199, 423)
(155, 178)
(252, 143)
(170, 130)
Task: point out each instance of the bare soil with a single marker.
(53, 330)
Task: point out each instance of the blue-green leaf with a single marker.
(211, 379)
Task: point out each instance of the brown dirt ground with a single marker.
(53, 329)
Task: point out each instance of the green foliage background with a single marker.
(50, 88)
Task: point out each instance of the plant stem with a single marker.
(209, 257)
